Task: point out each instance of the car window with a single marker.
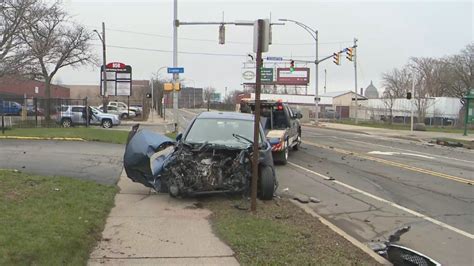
(112, 108)
(219, 131)
(77, 109)
(64, 108)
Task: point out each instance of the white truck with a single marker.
(122, 105)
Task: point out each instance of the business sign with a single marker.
(175, 70)
(249, 75)
(119, 79)
(274, 58)
(299, 76)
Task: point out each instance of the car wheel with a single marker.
(66, 122)
(106, 123)
(298, 142)
(266, 183)
(124, 116)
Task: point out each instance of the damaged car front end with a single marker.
(212, 156)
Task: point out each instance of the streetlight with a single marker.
(314, 35)
(104, 73)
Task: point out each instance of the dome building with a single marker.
(371, 92)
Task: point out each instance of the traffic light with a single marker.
(349, 53)
(408, 95)
(292, 66)
(261, 63)
(222, 34)
(336, 58)
(148, 95)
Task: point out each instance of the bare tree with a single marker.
(207, 95)
(396, 83)
(13, 15)
(459, 73)
(55, 42)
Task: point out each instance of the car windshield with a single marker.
(228, 132)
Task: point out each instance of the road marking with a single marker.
(395, 148)
(392, 204)
(391, 163)
(399, 153)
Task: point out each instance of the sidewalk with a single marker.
(145, 228)
(415, 135)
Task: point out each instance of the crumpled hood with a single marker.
(141, 147)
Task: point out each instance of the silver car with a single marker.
(71, 115)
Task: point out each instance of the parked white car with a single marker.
(122, 105)
(122, 113)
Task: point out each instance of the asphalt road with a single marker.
(100, 162)
(370, 186)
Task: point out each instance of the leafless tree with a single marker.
(55, 42)
(13, 15)
(207, 95)
(459, 73)
(396, 83)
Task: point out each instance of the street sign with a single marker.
(119, 79)
(175, 70)
(266, 75)
(274, 58)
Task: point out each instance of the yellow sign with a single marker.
(172, 86)
(177, 86)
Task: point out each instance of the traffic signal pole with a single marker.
(175, 63)
(355, 82)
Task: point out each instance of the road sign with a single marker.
(175, 70)
(274, 58)
(119, 79)
(266, 75)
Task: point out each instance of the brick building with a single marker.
(15, 86)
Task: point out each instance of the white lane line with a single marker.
(412, 212)
(399, 153)
(400, 149)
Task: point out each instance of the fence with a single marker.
(21, 112)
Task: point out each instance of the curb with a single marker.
(337, 129)
(41, 138)
(340, 232)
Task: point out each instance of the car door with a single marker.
(293, 123)
(77, 115)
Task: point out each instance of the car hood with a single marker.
(138, 153)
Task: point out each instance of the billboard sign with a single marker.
(119, 79)
(249, 75)
(300, 76)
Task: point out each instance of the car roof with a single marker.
(226, 115)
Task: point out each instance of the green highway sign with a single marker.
(267, 75)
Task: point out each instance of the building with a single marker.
(188, 97)
(16, 86)
(371, 92)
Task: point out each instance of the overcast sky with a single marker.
(389, 33)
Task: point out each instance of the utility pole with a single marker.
(355, 81)
(316, 87)
(256, 125)
(104, 72)
(175, 63)
(412, 98)
(325, 79)
(152, 102)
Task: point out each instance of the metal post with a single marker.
(325, 79)
(35, 102)
(355, 81)
(466, 116)
(316, 94)
(3, 115)
(256, 127)
(152, 102)
(175, 61)
(412, 98)
(104, 73)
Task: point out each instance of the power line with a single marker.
(214, 41)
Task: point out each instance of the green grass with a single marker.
(397, 126)
(91, 134)
(280, 233)
(50, 220)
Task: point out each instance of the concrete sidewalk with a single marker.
(145, 228)
(415, 135)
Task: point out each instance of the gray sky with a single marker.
(389, 33)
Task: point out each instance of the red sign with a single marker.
(299, 76)
(116, 65)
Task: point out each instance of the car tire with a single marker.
(282, 156)
(266, 183)
(66, 122)
(297, 142)
(107, 123)
(124, 116)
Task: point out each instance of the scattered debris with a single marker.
(366, 221)
(314, 200)
(56, 189)
(301, 198)
(448, 143)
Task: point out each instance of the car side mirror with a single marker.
(299, 115)
(179, 136)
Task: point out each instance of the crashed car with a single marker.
(213, 155)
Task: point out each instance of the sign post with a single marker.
(469, 116)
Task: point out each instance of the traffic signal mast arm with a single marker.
(320, 60)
